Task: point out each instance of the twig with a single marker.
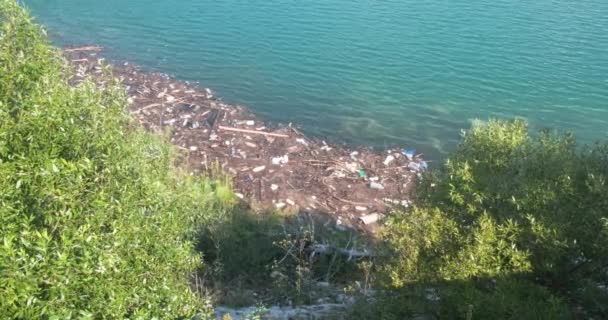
(294, 188)
(293, 244)
(392, 168)
(254, 132)
(146, 108)
(351, 202)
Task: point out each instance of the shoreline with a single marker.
(272, 166)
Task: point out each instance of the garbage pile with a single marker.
(273, 167)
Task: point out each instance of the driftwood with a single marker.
(270, 134)
(350, 254)
(152, 105)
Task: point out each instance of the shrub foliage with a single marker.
(95, 221)
(507, 207)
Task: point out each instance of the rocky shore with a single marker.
(273, 166)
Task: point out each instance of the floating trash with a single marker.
(409, 154)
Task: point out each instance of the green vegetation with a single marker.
(511, 227)
(95, 221)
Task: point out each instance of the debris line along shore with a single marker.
(273, 166)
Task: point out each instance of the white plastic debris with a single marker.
(251, 145)
(250, 122)
(302, 141)
(376, 186)
(274, 187)
(360, 208)
(290, 202)
(388, 160)
(259, 169)
(280, 205)
(170, 98)
(370, 218)
(280, 160)
(239, 195)
(193, 148)
(417, 166)
(352, 167)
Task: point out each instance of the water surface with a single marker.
(381, 73)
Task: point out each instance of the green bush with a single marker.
(478, 299)
(95, 221)
(507, 205)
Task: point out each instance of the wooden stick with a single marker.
(352, 202)
(348, 253)
(147, 107)
(254, 132)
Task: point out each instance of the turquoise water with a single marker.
(380, 73)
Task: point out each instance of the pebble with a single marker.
(290, 202)
(170, 98)
(280, 205)
(251, 145)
